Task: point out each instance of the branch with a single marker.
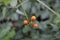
(48, 8)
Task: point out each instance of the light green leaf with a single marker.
(6, 2)
(4, 11)
(13, 3)
(4, 31)
(1, 0)
(10, 35)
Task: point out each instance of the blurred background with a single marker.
(14, 12)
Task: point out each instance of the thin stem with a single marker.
(20, 4)
(48, 7)
(23, 9)
(26, 15)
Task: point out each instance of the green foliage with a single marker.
(1, 0)
(4, 11)
(3, 32)
(26, 28)
(10, 35)
(28, 8)
(6, 2)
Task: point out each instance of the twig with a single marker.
(23, 9)
(26, 15)
(20, 4)
(48, 8)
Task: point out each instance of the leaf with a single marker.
(10, 35)
(57, 20)
(4, 11)
(6, 2)
(58, 24)
(4, 31)
(26, 28)
(13, 3)
(1, 0)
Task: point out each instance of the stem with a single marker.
(26, 15)
(20, 4)
(23, 9)
(48, 7)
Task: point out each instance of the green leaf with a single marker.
(26, 28)
(6, 2)
(10, 35)
(1, 0)
(4, 11)
(3, 32)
